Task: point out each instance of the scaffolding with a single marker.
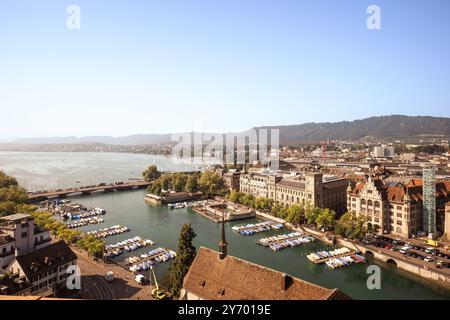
(429, 200)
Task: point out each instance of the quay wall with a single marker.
(434, 277)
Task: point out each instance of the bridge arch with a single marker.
(369, 254)
(391, 263)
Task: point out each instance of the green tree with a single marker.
(191, 184)
(295, 214)
(311, 214)
(325, 218)
(6, 181)
(151, 173)
(210, 183)
(185, 256)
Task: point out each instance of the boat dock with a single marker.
(251, 229)
(147, 260)
(287, 240)
(84, 222)
(117, 249)
(323, 256)
(108, 232)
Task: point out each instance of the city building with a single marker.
(447, 221)
(217, 276)
(231, 180)
(45, 267)
(393, 207)
(29, 261)
(313, 189)
(19, 235)
(383, 152)
(429, 200)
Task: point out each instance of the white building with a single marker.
(383, 152)
(19, 235)
(28, 255)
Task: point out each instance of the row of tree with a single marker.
(208, 182)
(94, 247)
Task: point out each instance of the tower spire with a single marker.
(223, 243)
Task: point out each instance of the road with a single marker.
(94, 286)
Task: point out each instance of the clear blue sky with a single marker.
(160, 66)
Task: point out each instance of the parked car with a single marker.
(428, 259)
(140, 279)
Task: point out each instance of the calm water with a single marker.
(163, 225)
(54, 170)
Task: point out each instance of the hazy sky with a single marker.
(160, 66)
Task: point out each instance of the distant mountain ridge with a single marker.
(382, 127)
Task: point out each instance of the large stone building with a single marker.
(447, 221)
(395, 208)
(313, 189)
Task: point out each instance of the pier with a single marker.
(102, 187)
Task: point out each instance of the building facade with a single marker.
(312, 190)
(394, 208)
(45, 268)
(19, 235)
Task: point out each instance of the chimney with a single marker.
(223, 243)
(286, 281)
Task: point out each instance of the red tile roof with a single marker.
(232, 278)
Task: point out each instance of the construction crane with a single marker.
(157, 292)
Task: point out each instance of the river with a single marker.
(162, 225)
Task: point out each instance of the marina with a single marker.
(186, 204)
(145, 261)
(251, 229)
(84, 222)
(128, 245)
(345, 261)
(323, 256)
(69, 211)
(108, 232)
(283, 241)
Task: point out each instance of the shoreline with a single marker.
(428, 277)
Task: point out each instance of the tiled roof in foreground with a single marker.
(235, 279)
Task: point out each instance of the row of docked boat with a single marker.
(322, 256)
(280, 242)
(81, 215)
(147, 260)
(108, 232)
(186, 204)
(251, 229)
(345, 261)
(85, 222)
(128, 245)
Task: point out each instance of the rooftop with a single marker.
(235, 279)
(49, 257)
(15, 217)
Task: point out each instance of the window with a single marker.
(24, 234)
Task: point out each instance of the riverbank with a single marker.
(435, 277)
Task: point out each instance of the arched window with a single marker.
(363, 201)
(369, 203)
(377, 204)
